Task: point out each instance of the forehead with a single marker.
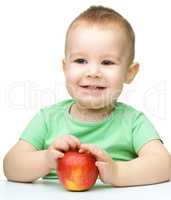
(95, 38)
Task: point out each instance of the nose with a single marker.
(93, 71)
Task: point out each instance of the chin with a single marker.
(92, 103)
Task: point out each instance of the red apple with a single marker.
(77, 171)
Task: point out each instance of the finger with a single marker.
(96, 151)
(63, 146)
(75, 140)
(89, 148)
(83, 151)
(71, 142)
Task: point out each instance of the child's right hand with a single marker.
(56, 149)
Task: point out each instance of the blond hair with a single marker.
(103, 16)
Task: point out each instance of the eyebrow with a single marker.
(76, 54)
(111, 55)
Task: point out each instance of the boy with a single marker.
(99, 53)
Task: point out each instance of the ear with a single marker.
(131, 73)
(64, 65)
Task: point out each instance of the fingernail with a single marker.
(80, 151)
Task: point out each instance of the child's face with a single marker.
(96, 65)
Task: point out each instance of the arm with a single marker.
(24, 163)
(152, 166)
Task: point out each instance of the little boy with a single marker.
(99, 54)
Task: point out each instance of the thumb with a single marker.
(101, 164)
(55, 153)
(59, 154)
(103, 170)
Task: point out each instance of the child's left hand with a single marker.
(104, 163)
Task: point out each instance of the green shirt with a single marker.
(122, 134)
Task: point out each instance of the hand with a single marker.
(58, 147)
(104, 163)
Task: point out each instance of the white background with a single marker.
(31, 49)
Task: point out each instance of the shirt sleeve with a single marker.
(143, 132)
(36, 131)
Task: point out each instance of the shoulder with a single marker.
(127, 109)
(57, 108)
(129, 114)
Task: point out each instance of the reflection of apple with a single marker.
(77, 171)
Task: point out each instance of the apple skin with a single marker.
(77, 171)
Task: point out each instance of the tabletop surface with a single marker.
(53, 190)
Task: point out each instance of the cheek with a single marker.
(72, 76)
(116, 81)
(116, 78)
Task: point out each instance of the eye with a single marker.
(107, 62)
(80, 61)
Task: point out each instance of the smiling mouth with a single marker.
(92, 87)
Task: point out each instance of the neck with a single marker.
(89, 114)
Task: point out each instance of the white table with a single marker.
(53, 190)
